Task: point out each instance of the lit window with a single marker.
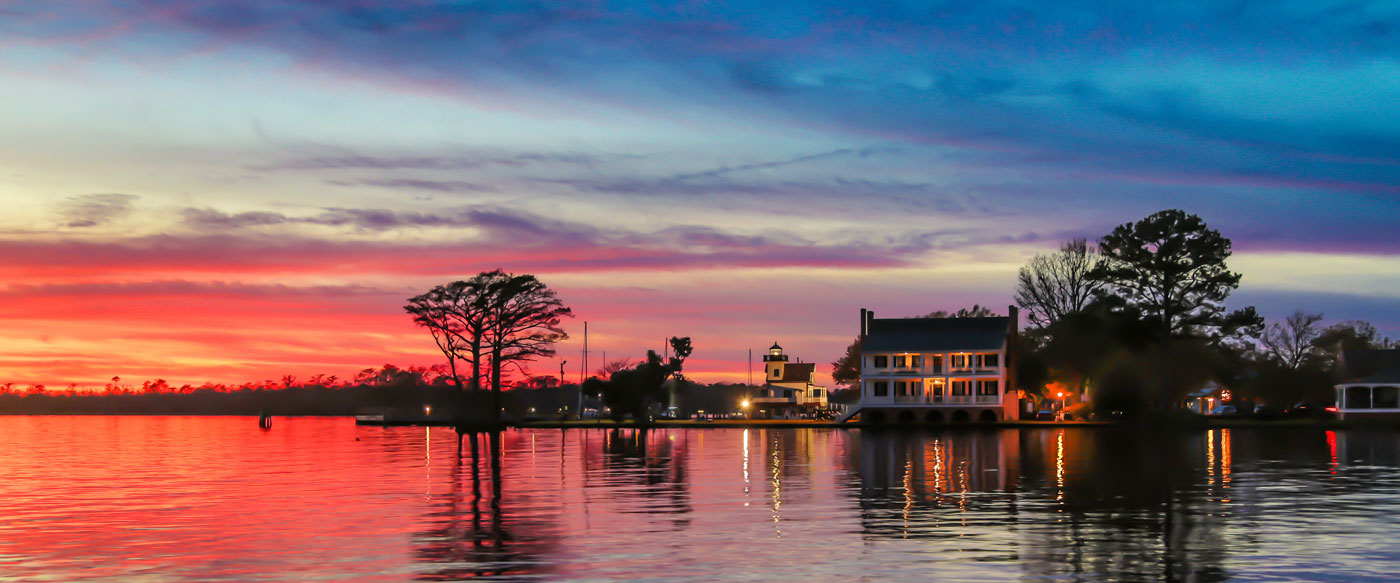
(916, 360)
(900, 361)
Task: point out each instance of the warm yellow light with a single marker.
(1059, 395)
(427, 409)
(743, 404)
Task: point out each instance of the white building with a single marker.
(789, 388)
(1370, 388)
(931, 370)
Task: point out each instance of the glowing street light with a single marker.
(744, 404)
(427, 410)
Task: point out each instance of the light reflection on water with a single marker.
(215, 499)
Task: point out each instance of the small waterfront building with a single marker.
(1370, 387)
(1204, 400)
(789, 388)
(931, 370)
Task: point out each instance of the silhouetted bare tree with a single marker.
(1291, 342)
(613, 366)
(1053, 286)
(455, 315)
(522, 318)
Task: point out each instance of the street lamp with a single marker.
(1061, 396)
(427, 410)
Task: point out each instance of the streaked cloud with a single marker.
(736, 170)
(91, 210)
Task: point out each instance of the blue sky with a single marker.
(738, 171)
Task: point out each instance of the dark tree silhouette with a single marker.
(1053, 286)
(1171, 268)
(976, 311)
(633, 390)
(846, 370)
(455, 315)
(1351, 335)
(680, 350)
(522, 323)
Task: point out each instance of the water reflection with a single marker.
(196, 497)
(650, 465)
(460, 543)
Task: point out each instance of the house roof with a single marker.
(935, 334)
(1388, 376)
(797, 372)
(1364, 364)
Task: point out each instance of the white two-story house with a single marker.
(932, 370)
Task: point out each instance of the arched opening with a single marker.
(934, 416)
(876, 417)
(987, 416)
(1358, 398)
(961, 416)
(906, 417)
(1385, 397)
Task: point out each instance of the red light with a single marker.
(1330, 409)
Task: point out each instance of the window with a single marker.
(936, 388)
(900, 361)
(987, 387)
(962, 388)
(988, 360)
(816, 393)
(777, 373)
(916, 360)
(763, 393)
(882, 388)
(959, 361)
(787, 393)
(901, 388)
(881, 361)
(938, 364)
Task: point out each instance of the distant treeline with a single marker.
(403, 391)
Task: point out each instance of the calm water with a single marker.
(151, 499)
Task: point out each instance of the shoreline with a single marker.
(1177, 424)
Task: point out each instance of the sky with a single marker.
(218, 191)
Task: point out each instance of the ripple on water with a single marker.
(215, 499)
